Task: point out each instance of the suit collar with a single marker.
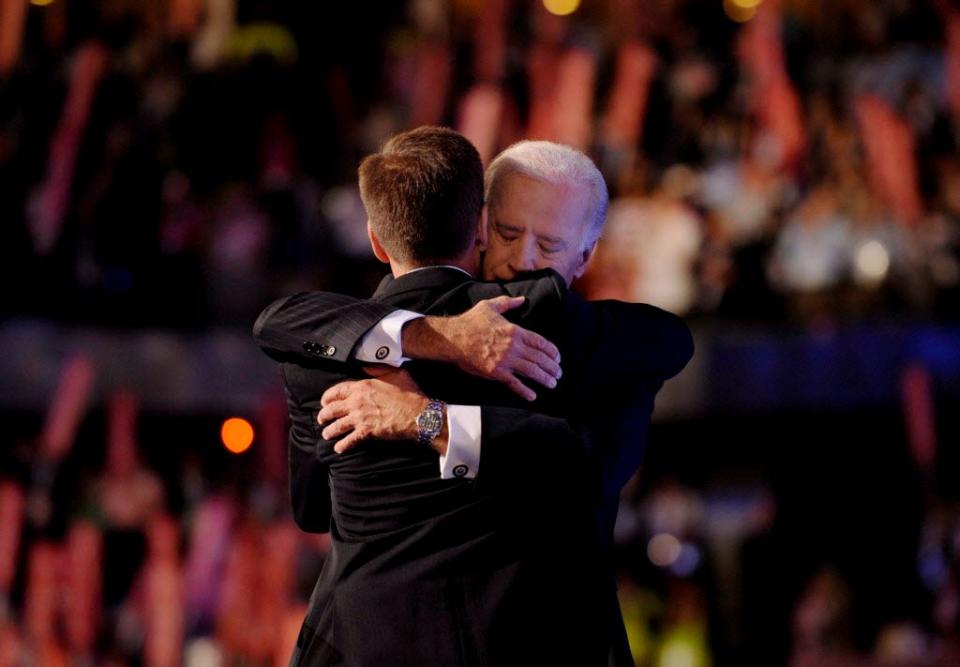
(431, 277)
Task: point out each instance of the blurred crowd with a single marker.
(179, 163)
(130, 538)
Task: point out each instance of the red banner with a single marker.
(891, 166)
(953, 61)
(67, 407)
(163, 615)
(481, 111)
(13, 16)
(82, 594)
(919, 415)
(12, 503)
(773, 100)
(623, 120)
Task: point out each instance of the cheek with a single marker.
(562, 265)
(495, 255)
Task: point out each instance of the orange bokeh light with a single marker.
(236, 435)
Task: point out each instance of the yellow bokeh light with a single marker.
(236, 435)
(561, 7)
(736, 11)
(41, 3)
(746, 4)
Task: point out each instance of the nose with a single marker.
(524, 256)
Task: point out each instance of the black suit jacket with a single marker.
(507, 566)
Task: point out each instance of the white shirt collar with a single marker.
(441, 266)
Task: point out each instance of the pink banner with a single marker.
(890, 154)
(239, 602)
(773, 100)
(434, 65)
(209, 545)
(543, 64)
(479, 119)
(164, 613)
(573, 111)
(82, 593)
(623, 121)
(67, 407)
(49, 206)
(40, 598)
(277, 568)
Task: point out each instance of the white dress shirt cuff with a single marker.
(463, 444)
(382, 344)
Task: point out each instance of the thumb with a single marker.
(502, 304)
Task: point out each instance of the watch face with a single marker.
(430, 422)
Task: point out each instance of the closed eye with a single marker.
(508, 234)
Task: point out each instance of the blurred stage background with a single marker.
(783, 174)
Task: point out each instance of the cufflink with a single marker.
(382, 352)
(460, 470)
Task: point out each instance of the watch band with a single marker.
(430, 421)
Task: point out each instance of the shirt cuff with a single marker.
(463, 443)
(382, 344)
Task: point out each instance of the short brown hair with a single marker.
(423, 193)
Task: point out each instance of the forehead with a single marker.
(524, 201)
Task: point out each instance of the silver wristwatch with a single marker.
(430, 421)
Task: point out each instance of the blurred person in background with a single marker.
(546, 208)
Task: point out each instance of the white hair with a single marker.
(557, 164)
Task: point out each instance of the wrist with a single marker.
(428, 338)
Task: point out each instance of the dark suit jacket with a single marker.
(502, 570)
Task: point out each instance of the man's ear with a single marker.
(378, 250)
(483, 234)
(585, 256)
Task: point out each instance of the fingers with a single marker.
(514, 385)
(543, 362)
(535, 373)
(538, 342)
(331, 411)
(337, 392)
(502, 304)
(337, 428)
(347, 443)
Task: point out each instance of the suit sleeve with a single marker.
(609, 342)
(525, 452)
(602, 343)
(309, 480)
(311, 326)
